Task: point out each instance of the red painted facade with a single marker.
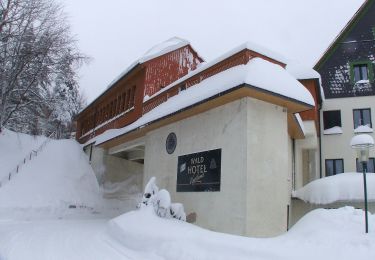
(123, 103)
(313, 87)
(162, 71)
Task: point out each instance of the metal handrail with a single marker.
(28, 157)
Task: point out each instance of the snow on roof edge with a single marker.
(219, 83)
(144, 59)
(300, 122)
(247, 45)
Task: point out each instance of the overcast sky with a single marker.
(117, 32)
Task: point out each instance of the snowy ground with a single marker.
(37, 223)
(322, 234)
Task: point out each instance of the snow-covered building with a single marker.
(226, 137)
(347, 76)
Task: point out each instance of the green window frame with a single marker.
(370, 70)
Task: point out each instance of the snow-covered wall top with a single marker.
(257, 73)
(340, 187)
(301, 71)
(204, 66)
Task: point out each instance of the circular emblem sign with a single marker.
(171, 143)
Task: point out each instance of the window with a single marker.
(132, 97)
(127, 99)
(182, 88)
(123, 102)
(331, 119)
(361, 70)
(334, 166)
(373, 32)
(370, 165)
(362, 117)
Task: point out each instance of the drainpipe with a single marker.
(320, 143)
(294, 164)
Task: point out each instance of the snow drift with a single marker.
(321, 234)
(340, 187)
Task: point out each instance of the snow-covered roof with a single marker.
(301, 71)
(340, 187)
(247, 45)
(158, 50)
(257, 73)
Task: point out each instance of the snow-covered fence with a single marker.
(28, 157)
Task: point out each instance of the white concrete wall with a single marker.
(223, 127)
(114, 169)
(307, 156)
(254, 190)
(267, 169)
(337, 146)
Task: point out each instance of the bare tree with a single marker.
(38, 64)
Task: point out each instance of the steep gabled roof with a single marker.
(204, 66)
(348, 27)
(156, 51)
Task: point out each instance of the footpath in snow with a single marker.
(141, 234)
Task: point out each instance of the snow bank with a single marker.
(340, 187)
(318, 235)
(60, 175)
(257, 73)
(58, 182)
(14, 147)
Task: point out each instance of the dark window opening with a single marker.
(331, 119)
(123, 102)
(362, 117)
(127, 99)
(370, 165)
(132, 97)
(360, 72)
(182, 88)
(334, 166)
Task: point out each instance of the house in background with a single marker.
(347, 72)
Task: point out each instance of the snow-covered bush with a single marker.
(162, 203)
(160, 200)
(150, 190)
(177, 211)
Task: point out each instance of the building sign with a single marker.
(199, 171)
